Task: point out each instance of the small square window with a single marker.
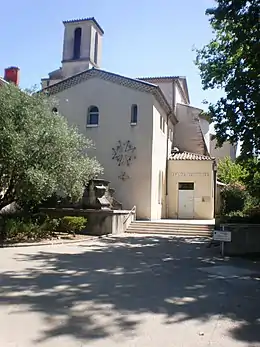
(186, 185)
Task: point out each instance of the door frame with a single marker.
(178, 198)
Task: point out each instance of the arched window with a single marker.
(96, 48)
(93, 116)
(77, 43)
(134, 111)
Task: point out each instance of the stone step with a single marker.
(161, 226)
(171, 230)
(182, 229)
(172, 233)
(171, 223)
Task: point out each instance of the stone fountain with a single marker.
(99, 195)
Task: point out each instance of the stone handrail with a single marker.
(133, 210)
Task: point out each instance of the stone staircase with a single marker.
(171, 228)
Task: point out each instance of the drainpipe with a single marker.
(214, 168)
(167, 146)
(167, 174)
(167, 149)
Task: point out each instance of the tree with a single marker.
(40, 154)
(252, 179)
(231, 61)
(230, 172)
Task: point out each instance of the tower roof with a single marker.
(92, 19)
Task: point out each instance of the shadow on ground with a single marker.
(92, 292)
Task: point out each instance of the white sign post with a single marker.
(222, 236)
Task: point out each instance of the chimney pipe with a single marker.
(12, 74)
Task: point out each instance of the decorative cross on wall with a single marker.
(123, 176)
(124, 153)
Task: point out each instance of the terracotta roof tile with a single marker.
(188, 156)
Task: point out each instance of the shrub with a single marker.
(19, 228)
(51, 224)
(39, 218)
(15, 229)
(234, 198)
(73, 224)
(249, 216)
(253, 212)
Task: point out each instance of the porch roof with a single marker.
(188, 156)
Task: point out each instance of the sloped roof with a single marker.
(158, 79)
(111, 77)
(92, 19)
(189, 156)
(193, 129)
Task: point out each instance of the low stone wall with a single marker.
(245, 239)
(100, 222)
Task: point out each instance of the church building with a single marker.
(153, 145)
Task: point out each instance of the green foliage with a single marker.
(252, 180)
(231, 61)
(249, 216)
(206, 116)
(40, 154)
(234, 198)
(253, 211)
(51, 224)
(19, 229)
(72, 224)
(240, 198)
(231, 172)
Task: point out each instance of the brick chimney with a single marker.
(12, 74)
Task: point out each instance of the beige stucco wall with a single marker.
(92, 46)
(178, 97)
(167, 89)
(199, 172)
(114, 103)
(171, 91)
(73, 67)
(227, 150)
(159, 156)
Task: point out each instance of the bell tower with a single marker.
(82, 46)
(82, 49)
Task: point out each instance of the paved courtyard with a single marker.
(128, 291)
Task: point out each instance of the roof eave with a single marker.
(147, 86)
(85, 19)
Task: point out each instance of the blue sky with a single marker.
(142, 37)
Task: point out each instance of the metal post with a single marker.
(222, 244)
(222, 249)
